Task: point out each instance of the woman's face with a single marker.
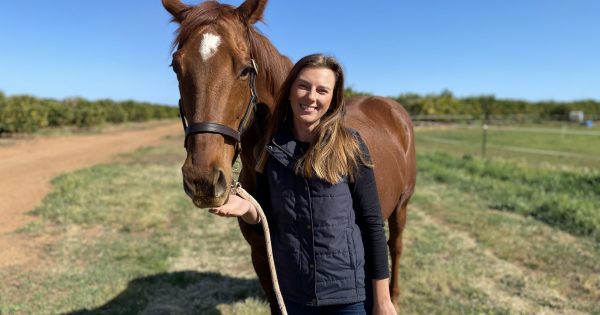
(311, 95)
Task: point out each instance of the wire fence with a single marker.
(503, 119)
(561, 131)
(514, 149)
(563, 145)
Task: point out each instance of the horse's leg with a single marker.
(396, 224)
(260, 263)
(261, 266)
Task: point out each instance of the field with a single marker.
(506, 235)
(566, 145)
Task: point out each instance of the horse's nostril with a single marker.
(219, 183)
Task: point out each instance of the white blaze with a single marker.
(209, 45)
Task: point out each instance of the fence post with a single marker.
(484, 142)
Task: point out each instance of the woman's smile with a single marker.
(308, 108)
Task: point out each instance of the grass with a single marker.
(124, 239)
(516, 261)
(529, 145)
(566, 199)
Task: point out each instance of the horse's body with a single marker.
(215, 45)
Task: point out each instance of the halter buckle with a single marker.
(254, 65)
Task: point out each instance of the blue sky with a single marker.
(120, 49)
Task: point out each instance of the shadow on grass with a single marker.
(185, 292)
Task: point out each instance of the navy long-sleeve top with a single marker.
(365, 202)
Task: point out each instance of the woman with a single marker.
(316, 185)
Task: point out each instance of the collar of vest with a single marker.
(284, 140)
(285, 148)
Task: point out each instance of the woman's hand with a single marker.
(382, 303)
(384, 308)
(237, 207)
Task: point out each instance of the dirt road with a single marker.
(27, 166)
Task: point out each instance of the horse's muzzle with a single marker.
(206, 191)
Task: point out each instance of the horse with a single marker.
(229, 75)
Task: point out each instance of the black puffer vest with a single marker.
(317, 244)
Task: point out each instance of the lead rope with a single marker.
(238, 190)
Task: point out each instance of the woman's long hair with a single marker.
(334, 151)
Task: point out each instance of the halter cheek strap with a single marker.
(224, 130)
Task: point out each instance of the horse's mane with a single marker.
(270, 62)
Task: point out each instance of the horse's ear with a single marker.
(176, 8)
(251, 11)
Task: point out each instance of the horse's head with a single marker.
(215, 69)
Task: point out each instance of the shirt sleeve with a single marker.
(368, 217)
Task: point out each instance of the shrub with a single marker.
(22, 114)
(28, 114)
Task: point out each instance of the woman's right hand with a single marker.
(237, 207)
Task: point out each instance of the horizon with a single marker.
(355, 91)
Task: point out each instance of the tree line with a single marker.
(25, 113)
(488, 106)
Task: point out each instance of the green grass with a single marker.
(566, 199)
(521, 263)
(534, 146)
(122, 238)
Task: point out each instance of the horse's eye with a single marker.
(245, 72)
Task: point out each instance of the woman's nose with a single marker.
(312, 95)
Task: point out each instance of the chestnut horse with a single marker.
(229, 75)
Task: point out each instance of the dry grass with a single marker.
(124, 239)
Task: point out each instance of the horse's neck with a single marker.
(271, 82)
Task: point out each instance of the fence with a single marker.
(496, 119)
(575, 146)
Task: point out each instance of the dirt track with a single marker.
(27, 166)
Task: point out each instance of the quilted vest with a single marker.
(317, 244)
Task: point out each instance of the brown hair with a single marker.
(334, 151)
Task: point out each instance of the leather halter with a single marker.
(224, 130)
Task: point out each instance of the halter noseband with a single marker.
(224, 130)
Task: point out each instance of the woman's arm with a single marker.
(365, 201)
(382, 302)
(368, 213)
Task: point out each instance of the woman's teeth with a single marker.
(308, 108)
